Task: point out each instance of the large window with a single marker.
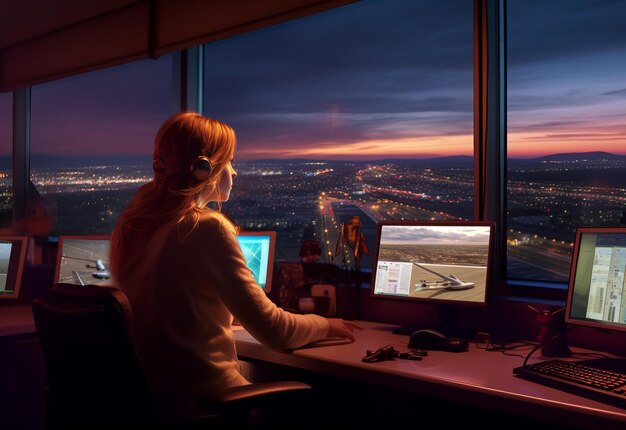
(566, 130)
(91, 142)
(6, 168)
(365, 111)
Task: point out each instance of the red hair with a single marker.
(172, 199)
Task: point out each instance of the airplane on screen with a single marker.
(102, 272)
(448, 282)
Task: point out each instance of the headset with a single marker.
(200, 167)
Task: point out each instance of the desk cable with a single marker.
(484, 342)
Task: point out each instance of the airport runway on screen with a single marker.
(465, 273)
(73, 267)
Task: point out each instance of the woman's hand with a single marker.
(340, 328)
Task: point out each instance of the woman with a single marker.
(181, 267)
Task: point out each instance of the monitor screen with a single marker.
(12, 259)
(258, 250)
(83, 260)
(436, 261)
(597, 292)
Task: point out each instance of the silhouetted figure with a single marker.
(352, 237)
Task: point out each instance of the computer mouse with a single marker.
(434, 340)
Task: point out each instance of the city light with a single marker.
(541, 219)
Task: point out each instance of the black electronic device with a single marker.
(12, 261)
(258, 249)
(596, 283)
(430, 339)
(600, 379)
(384, 353)
(442, 262)
(388, 352)
(201, 168)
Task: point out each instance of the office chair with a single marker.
(95, 379)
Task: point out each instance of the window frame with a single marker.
(489, 136)
(490, 101)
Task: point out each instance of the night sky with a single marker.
(377, 79)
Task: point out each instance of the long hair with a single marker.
(172, 197)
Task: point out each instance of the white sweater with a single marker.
(184, 294)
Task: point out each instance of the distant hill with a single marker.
(46, 160)
(466, 159)
(568, 156)
(571, 156)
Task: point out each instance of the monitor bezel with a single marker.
(437, 223)
(270, 266)
(59, 255)
(577, 321)
(17, 267)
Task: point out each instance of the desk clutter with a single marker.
(388, 352)
(419, 342)
(309, 287)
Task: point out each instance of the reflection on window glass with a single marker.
(91, 142)
(6, 168)
(566, 133)
(364, 110)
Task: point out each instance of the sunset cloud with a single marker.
(364, 87)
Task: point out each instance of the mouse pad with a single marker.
(331, 341)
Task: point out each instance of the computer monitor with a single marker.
(12, 259)
(83, 260)
(443, 262)
(597, 290)
(258, 249)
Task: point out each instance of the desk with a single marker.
(16, 320)
(476, 378)
(22, 370)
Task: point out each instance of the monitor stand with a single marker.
(449, 323)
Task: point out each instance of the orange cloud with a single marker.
(414, 147)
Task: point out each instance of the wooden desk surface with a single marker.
(16, 320)
(476, 377)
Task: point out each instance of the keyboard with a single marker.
(597, 383)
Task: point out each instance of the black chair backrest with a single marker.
(95, 379)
